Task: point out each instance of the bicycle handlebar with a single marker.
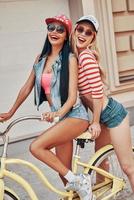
(24, 118)
(20, 119)
(5, 136)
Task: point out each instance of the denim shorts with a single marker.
(78, 112)
(113, 114)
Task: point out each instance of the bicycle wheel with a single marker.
(115, 169)
(9, 196)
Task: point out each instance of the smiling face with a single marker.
(84, 35)
(57, 33)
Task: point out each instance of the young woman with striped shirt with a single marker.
(110, 119)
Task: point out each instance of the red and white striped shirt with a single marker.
(89, 79)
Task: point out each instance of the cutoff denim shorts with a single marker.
(79, 112)
(113, 114)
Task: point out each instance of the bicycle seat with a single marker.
(85, 135)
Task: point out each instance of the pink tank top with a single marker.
(46, 82)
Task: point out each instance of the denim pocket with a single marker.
(113, 114)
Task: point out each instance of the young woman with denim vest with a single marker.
(55, 78)
(106, 111)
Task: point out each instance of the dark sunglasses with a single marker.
(59, 28)
(80, 29)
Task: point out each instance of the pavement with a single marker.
(21, 150)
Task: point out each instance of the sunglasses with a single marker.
(80, 29)
(59, 28)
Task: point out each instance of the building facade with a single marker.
(22, 34)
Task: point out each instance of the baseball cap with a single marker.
(91, 19)
(62, 19)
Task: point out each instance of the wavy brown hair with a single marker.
(93, 47)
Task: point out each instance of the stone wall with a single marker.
(123, 18)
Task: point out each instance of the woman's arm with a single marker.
(95, 127)
(92, 73)
(23, 94)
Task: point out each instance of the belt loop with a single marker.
(109, 106)
(109, 101)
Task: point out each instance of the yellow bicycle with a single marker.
(113, 182)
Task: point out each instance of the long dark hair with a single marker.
(47, 48)
(64, 74)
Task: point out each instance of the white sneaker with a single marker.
(82, 185)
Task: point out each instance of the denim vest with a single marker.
(39, 94)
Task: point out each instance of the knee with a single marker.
(37, 147)
(34, 148)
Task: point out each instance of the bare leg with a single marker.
(121, 140)
(101, 141)
(64, 153)
(63, 132)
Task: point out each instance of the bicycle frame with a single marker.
(4, 161)
(110, 181)
(23, 182)
(116, 183)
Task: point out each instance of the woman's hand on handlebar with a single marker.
(50, 116)
(5, 116)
